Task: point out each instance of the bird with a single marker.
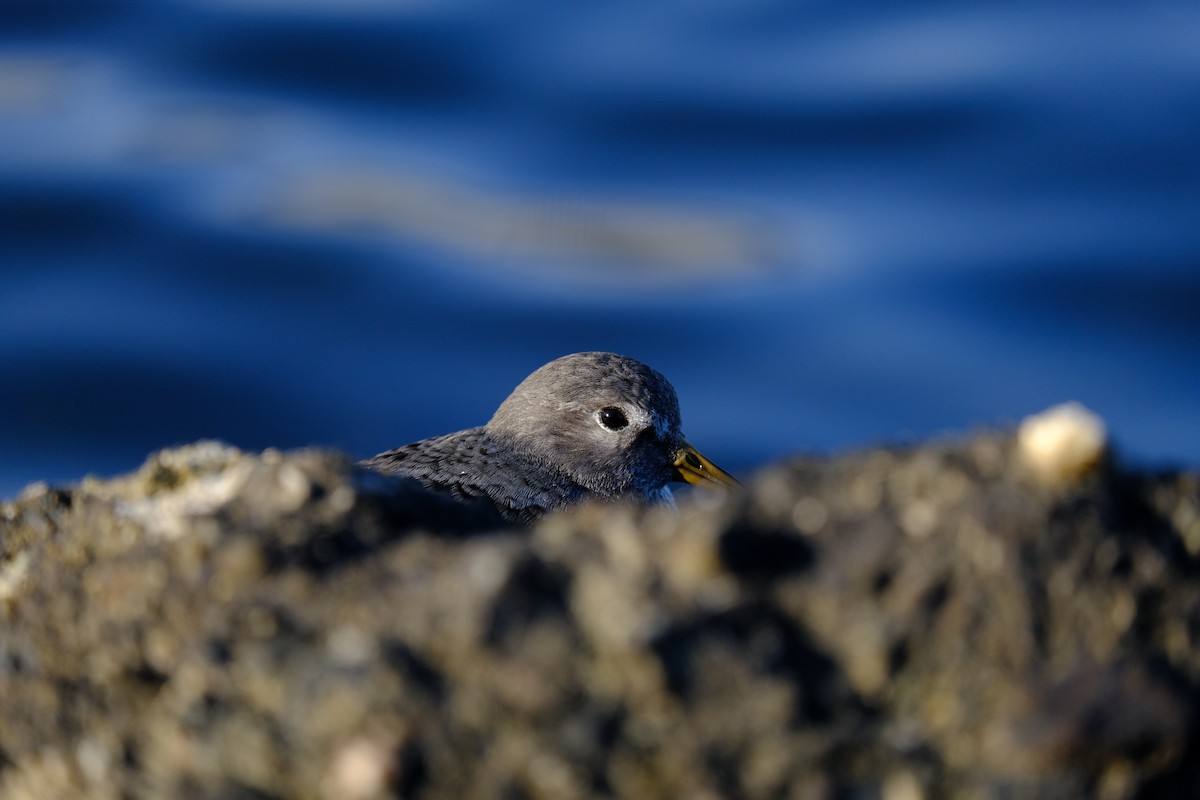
(586, 426)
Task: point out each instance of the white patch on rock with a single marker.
(1062, 443)
(167, 513)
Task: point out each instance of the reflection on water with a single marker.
(566, 239)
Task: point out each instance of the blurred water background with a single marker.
(359, 223)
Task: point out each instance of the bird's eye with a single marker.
(612, 418)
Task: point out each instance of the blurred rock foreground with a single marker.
(935, 621)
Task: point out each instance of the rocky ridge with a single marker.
(954, 619)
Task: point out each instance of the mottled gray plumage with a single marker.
(559, 438)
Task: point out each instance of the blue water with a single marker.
(357, 224)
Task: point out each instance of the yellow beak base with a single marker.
(697, 470)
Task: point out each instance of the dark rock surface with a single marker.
(897, 624)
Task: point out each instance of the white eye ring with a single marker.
(612, 418)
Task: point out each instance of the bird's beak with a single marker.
(697, 470)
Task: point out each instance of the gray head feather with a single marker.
(555, 417)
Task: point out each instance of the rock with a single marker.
(936, 621)
(1062, 443)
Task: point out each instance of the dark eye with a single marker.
(613, 418)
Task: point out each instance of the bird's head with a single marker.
(608, 422)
